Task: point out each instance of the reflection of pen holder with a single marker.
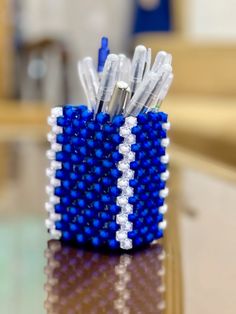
(107, 179)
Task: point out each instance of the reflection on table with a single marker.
(81, 281)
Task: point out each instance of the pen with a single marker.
(103, 52)
(147, 61)
(119, 99)
(89, 80)
(137, 67)
(124, 68)
(161, 58)
(107, 84)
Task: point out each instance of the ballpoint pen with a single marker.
(137, 68)
(103, 52)
(164, 72)
(89, 80)
(163, 92)
(148, 61)
(147, 91)
(107, 84)
(161, 58)
(119, 99)
(124, 68)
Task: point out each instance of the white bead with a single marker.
(121, 200)
(123, 165)
(165, 159)
(130, 139)
(50, 154)
(166, 126)
(49, 189)
(126, 226)
(165, 142)
(165, 175)
(130, 121)
(163, 209)
(120, 235)
(51, 137)
(57, 111)
(49, 224)
(121, 183)
(56, 147)
(54, 199)
(124, 149)
(55, 217)
(55, 165)
(51, 120)
(57, 129)
(121, 218)
(49, 207)
(124, 131)
(50, 172)
(55, 182)
(130, 156)
(126, 244)
(56, 234)
(129, 174)
(164, 193)
(162, 225)
(128, 191)
(127, 209)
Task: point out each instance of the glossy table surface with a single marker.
(46, 276)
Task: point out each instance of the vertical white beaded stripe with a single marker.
(164, 177)
(50, 172)
(123, 183)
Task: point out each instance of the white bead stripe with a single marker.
(50, 172)
(123, 183)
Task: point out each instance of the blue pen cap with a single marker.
(103, 52)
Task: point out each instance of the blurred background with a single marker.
(40, 43)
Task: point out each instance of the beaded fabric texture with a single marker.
(107, 178)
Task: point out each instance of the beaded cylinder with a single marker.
(107, 178)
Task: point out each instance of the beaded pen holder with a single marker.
(107, 178)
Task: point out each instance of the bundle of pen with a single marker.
(108, 160)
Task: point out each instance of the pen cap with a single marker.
(119, 99)
(108, 79)
(166, 86)
(137, 66)
(124, 68)
(142, 94)
(161, 58)
(89, 79)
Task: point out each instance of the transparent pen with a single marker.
(137, 67)
(124, 68)
(161, 58)
(147, 62)
(107, 84)
(89, 80)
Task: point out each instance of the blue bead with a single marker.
(105, 198)
(83, 150)
(86, 115)
(73, 210)
(88, 213)
(84, 132)
(69, 110)
(89, 178)
(74, 176)
(58, 225)
(89, 195)
(88, 231)
(74, 194)
(107, 146)
(73, 227)
(118, 120)
(99, 136)
(113, 244)
(97, 187)
(102, 117)
(62, 139)
(96, 241)
(62, 121)
(149, 237)
(68, 130)
(80, 219)
(138, 241)
(132, 234)
(66, 235)
(65, 218)
(116, 156)
(99, 153)
(91, 143)
(98, 170)
(81, 185)
(96, 223)
(81, 203)
(67, 148)
(81, 168)
(66, 184)
(80, 238)
(59, 208)
(106, 163)
(114, 209)
(65, 200)
(60, 174)
(106, 181)
(142, 118)
(136, 129)
(104, 234)
(115, 191)
(135, 147)
(116, 138)
(113, 226)
(97, 205)
(105, 216)
(76, 159)
(116, 173)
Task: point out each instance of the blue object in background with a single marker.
(156, 19)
